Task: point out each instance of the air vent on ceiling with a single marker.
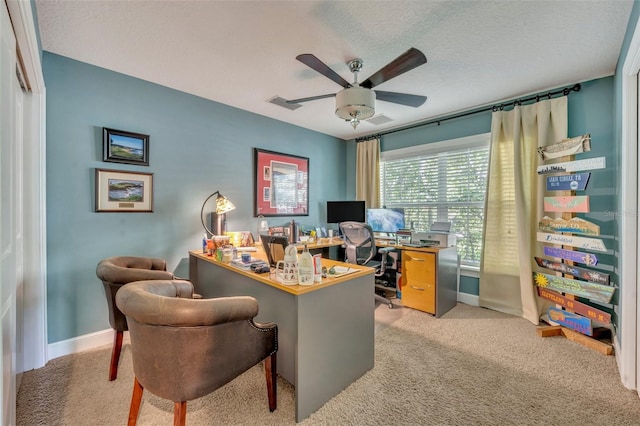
(277, 100)
(379, 119)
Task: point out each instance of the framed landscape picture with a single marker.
(119, 191)
(125, 147)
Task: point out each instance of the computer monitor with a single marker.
(386, 220)
(345, 211)
(274, 246)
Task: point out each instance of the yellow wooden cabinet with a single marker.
(419, 274)
(430, 279)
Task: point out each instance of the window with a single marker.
(440, 182)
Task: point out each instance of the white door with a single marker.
(11, 245)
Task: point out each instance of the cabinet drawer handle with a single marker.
(415, 259)
(417, 288)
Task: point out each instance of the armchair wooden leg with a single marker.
(136, 399)
(270, 371)
(179, 413)
(115, 355)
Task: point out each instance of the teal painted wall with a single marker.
(469, 285)
(590, 111)
(196, 147)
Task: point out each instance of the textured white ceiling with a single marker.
(242, 53)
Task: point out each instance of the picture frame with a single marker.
(123, 191)
(281, 184)
(119, 146)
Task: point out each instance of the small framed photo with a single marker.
(119, 191)
(125, 147)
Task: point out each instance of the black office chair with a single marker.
(360, 248)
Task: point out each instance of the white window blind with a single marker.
(444, 181)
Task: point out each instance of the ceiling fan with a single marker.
(357, 100)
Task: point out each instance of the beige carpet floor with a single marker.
(473, 366)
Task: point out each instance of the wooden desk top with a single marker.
(401, 247)
(320, 243)
(293, 289)
(337, 241)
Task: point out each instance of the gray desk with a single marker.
(325, 331)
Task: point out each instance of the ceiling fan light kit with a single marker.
(355, 104)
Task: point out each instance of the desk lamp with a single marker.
(218, 217)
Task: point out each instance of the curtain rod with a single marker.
(494, 108)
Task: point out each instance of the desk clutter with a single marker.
(234, 249)
(294, 269)
(296, 234)
(283, 261)
(252, 264)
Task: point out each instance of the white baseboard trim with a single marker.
(469, 299)
(627, 380)
(82, 343)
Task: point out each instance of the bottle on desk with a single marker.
(317, 268)
(287, 269)
(305, 267)
(293, 231)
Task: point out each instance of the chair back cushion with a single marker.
(185, 348)
(360, 245)
(114, 272)
(127, 269)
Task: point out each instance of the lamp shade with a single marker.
(223, 205)
(355, 102)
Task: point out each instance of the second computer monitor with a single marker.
(386, 220)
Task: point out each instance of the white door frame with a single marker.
(627, 344)
(33, 321)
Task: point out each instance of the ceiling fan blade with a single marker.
(316, 64)
(401, 98)
(409, 60)
(311, 98)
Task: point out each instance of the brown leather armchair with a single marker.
(184, 348)
(116, 272)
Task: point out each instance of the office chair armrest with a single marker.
(383, 261)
